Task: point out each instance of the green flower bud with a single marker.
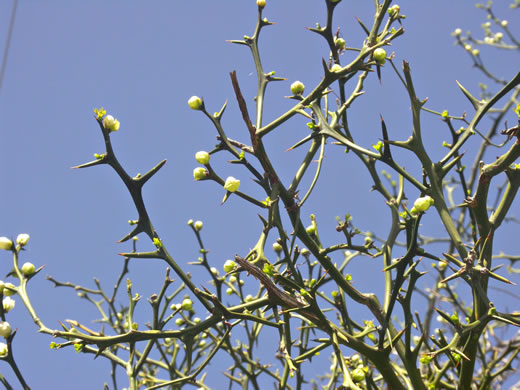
(195, 103)
(5, 243)
(394, 10)
(110, 123)
(456, 356)
(268, 269)
(179, 321)
(340, 43)
(200, 173)
(358, 375)
(187, 304)
(425, 359)
(260, 3)
(22, 239)
(379, 56)
(311, 229)
(197, 320)
(232, 184)
(229, 291)
(198, 225)
(423, 203)
(28, 269)
(249, 298)
(232, 279)
(457, 32)
(202, 157)
(277, 247)
(229, 266)
(297, 88)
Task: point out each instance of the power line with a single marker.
(8, 43)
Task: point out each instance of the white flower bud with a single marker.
(22, 239)
(5, 243)
(7, 291)
(8, 304)
(3, 350)
(229, 266)
(195, 103)
(297, 88)
(231, 184)
(110, 123)
(335, 68)
(199, 173)
(423, 203)
(28, 269)
(5, 329)
(198, 225)
(202, 157)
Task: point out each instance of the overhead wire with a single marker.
(8, 43)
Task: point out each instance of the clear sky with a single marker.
(142, 61)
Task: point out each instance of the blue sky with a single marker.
(142, 61)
